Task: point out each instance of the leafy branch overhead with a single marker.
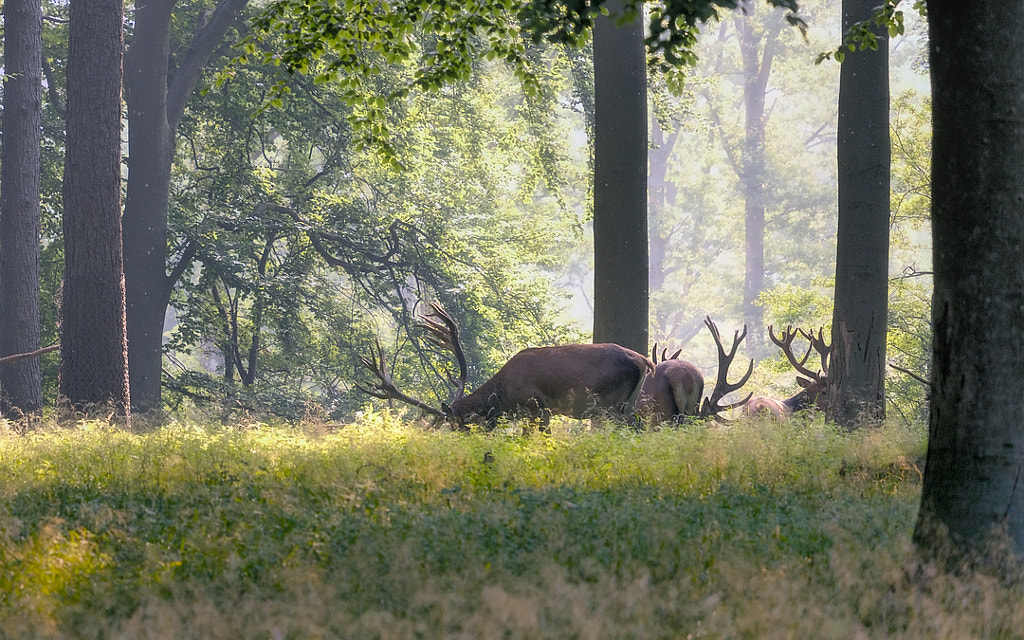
(864, 34)
(437, 42)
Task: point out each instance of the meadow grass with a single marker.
(380, 529)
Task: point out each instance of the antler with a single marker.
(816, 344)
(386, 389)
(824, 349)
(710, 407)
(654, 354)
(444, 333)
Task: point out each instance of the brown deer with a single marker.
(814, 387)
(675, 389)
(576, 380)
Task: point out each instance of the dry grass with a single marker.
(381, 530)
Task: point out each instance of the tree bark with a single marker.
(94, 362)
(857, 369)
(973, 479)
(21, 382)
(620, 183)
(156, 103)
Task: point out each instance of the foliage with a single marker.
(436, 43)
(379, 529)
(887, 18)
(910, 330)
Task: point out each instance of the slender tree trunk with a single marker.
(857, 368)
(974, 476)
(21, 382)
(150, 155)
(620, 183)
(757, 68)
(94, 357)
(156, 103)
(661, 198)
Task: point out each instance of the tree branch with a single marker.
(31, 354)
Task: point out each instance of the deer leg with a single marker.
(628, 408)
(536, 416)
(545, 421)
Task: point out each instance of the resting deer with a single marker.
(814, 387)
(675, 389)
(573, 380)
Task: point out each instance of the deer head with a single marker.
(441, 331)
(813, 384)
(723, 387)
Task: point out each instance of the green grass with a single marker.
(382, 530)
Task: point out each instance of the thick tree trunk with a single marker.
(974, 477)
(20, 382)
(620, 184)
(94, 363)
(857, 368)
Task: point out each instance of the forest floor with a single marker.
(381, 529)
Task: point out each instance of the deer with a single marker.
(675, 389)
(576, 380)
(813, 387)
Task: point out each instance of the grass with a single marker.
(382, 530)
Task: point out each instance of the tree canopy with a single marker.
(436, 42)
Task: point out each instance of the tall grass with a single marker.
(382, 530)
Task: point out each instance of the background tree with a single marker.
(157, 89)
(857, 367)
(758, 49)
(704, 264)
(94, 362)
(972, 480)
(20, 382)
(620, 182)
(758, 46)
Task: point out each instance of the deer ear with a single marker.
(804, 382)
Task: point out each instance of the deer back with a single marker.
(811, 394)
(763, 405)
(568, 380)
(674, 390)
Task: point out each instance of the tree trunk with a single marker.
(661, 199)
(857, 369)
(155, 106)
(620, 183)
(973, 478)
(21, 382)
(94, 362)
(757, 68)
(150, 155)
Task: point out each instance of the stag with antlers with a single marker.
(675, 389)
(814, 386)
(575, 380)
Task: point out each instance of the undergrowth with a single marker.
(380, 529)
